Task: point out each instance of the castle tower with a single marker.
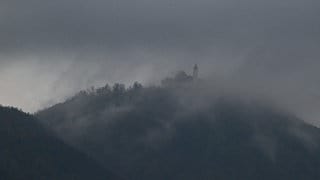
(195, 71)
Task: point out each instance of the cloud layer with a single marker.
(50, 49)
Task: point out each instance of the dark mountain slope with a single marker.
(180, 132)
(28, 151)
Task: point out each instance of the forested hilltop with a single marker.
(183, 129)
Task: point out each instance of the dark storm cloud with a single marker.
(71, 23)
(271, 46)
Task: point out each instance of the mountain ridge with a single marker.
(30, 151)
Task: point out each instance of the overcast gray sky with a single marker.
(51, 49)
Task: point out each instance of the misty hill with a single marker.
(28, 151)
(186, 132)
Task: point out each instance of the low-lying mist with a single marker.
(39, 82)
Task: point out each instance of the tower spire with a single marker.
(195, 71)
